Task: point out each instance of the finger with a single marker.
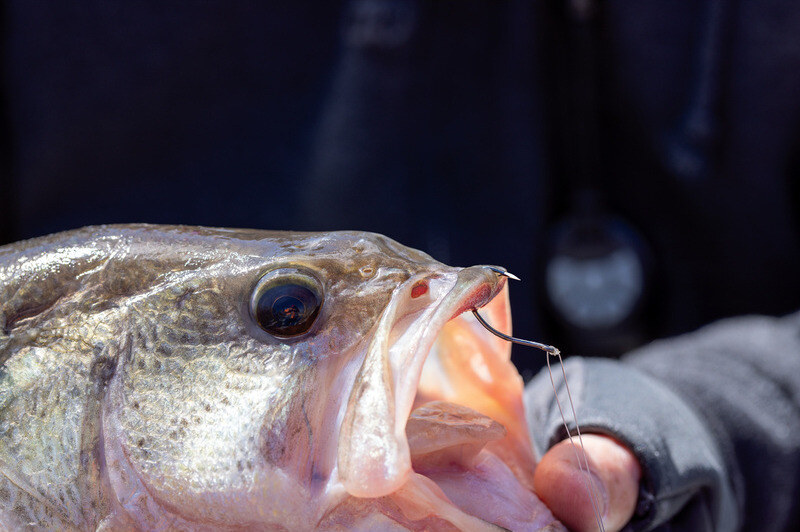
(559, 482)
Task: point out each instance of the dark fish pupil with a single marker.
(286, 309)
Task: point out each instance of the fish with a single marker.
(191, 378)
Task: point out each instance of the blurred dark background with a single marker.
(636, 163)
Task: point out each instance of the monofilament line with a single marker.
(590, 480)
(583, 465)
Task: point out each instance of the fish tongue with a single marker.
(447, 443)
(441, 434)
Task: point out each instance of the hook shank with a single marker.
(544, 347)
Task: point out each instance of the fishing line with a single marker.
(583, 465)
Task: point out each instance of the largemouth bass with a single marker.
(188, 378)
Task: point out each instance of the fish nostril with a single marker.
(420, 288)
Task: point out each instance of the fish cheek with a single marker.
(289, 429)
(191, 425)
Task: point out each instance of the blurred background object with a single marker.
(635, 163)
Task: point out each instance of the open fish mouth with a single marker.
(435, 419)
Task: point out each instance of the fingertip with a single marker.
(561, 484)
(563, 488)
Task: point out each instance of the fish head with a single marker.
(298, 381)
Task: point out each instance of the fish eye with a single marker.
(286, 302)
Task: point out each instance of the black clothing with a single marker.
(451, 128)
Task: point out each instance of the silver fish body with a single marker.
(140, 390)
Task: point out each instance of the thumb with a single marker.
(562, 486)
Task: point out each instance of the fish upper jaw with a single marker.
(374, 458)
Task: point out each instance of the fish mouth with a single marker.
(435, 418)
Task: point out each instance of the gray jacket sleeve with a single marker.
(713, 417)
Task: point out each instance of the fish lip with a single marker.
(373, 453)
(475, 287)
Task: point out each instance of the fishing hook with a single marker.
(530, 343)
(544, 347)
(583, 465)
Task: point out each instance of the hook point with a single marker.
(505, 273)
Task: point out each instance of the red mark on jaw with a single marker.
(420, 288)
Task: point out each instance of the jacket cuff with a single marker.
(682, 466)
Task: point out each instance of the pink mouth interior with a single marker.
(479, 464)
(473, 478)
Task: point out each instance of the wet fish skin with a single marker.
(136, 390)
(76, 304)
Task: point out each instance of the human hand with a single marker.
(561, 485)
